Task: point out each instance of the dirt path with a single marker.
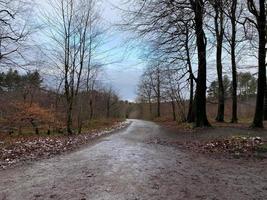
(125, 166)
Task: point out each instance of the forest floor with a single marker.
(137, 163)
(224, 140)
(17, 149)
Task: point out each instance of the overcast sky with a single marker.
(124, 73)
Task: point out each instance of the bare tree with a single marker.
(16, 27)
(145, 91)
(71, 30)
(219, 29)
(155, 76)
(200, 97)
(258, 10)
(232, 41)
(174, 89)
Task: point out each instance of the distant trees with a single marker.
(26, 103)
(213, 89)
(151, 87)
(145, 92)
(159, 85)
(26, 84)
(155, 74)
(18, 95)
(246, 86)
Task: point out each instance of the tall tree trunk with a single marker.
(173, 110)
(190, 114)
(201, 87)
(265, 103)
(219, 29)
(80, 118)
(158, 106)
(261, 21)
(150, 108)
(69, 117)
(91, 109)
(233, 61)
(34, 125)
(158, 93)
(108, 106)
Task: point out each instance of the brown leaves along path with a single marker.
(15, 150)
(125, 166)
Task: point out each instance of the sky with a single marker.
(125, 72)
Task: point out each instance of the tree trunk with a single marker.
(265, 103)
(233, 60)
(108, 107)
(258, 118)
(201, 87)
(91, 109)
(158, 106)
(173, 110)
(69, 117)
(219, 29)
(158, 93)
(150, 108)
(190, 115)
(35, 127)
(80, 118)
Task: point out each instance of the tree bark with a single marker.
(80, 117)
(201, 87)
(150, 108)
(91, 109)
(233, 61)
(190, 114)
(108, 105)
(34, 125)
(261, 21)
(265, 103)
(219, 29)
(69, 117)
(158, 93)
(173, 110)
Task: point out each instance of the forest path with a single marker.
(128, 165)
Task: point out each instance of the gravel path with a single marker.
(126, 166)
